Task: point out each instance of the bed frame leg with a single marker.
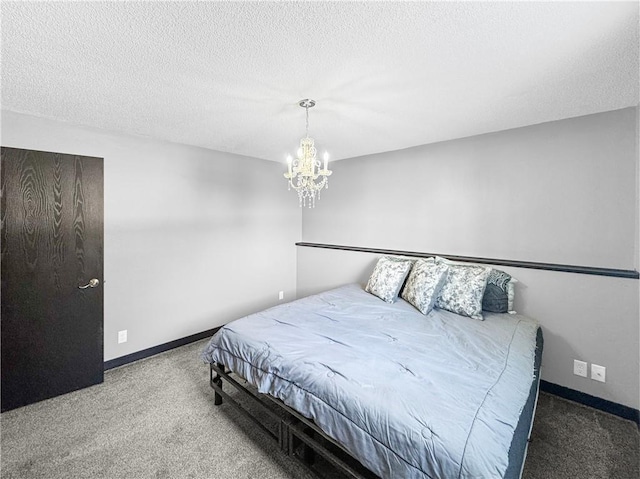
(217, 380)
(217, 399)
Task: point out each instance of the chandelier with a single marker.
(304, 174)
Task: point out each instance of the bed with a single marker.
(406, 394)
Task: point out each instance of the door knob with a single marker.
(91, 284)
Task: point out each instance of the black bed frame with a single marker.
(302, 439)
(297, 436)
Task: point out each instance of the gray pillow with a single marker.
(496, 295)
(424, 283)
(388, 277)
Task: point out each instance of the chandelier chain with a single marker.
(306, 107)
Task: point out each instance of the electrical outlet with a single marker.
(598, 373)
(579, 368)
(281, 295)
(122, 336)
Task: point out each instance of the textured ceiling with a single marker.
(388, 75)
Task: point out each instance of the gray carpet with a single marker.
(156, 419)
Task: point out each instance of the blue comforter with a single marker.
(409, 395)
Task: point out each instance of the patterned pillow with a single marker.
(424, 283)
(387, 278)
(496, 296)
(463, 289)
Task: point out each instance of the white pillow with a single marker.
(388, 277)
(510, 285)
(511, 295)
(424, 284)
(463, 289)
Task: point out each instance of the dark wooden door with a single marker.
(52, 244)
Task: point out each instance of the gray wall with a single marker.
(559, 192)
(193, 238)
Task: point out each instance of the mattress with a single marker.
(408, 395)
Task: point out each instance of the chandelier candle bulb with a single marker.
(326, 160)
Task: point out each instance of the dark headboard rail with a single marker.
(565, 268)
